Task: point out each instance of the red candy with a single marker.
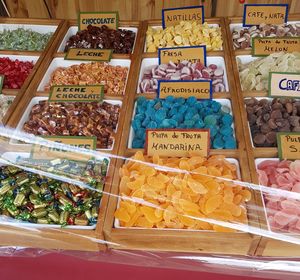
(15, 72)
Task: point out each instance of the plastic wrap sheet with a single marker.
(191, 213)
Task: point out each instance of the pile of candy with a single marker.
(186, 33)
(30, 197)
(5, 102)
(176, 197)
(182, 71)
(112, 77)
(283, 212)
(184, 113)
(268, 116)
(24, 40)
(242, 37)
(15, 72)
(75, 119)
(94, 37)
(255, 74)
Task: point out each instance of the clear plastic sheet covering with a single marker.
(77, 202)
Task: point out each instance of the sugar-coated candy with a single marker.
(267, 117)
(186, 33)
(184, 113)
(103, 37)
(5, 102)
(177, 199)
(15, 72)
(242, 36)
(184, 70)
(112, 77)
(283, 212)
(255, 74)
(75, 119)
(23, 40)
(37, 199)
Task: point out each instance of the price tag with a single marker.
(264, 46)
(177, 142)
(255, 14)
(288, 145)
(110, 19)
(92, 93)
(284, 84)
(174, 16)
(1, 82)
(39, 151)
(201, 89)
(89, 54)
(176, 55)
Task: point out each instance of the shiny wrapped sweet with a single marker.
(5, 102)
(186, 33)
(37, 199)
(75, 119)
(23, 40)
(112, 77)
(94, 37)
(183, 113)
(242, 36)
(151, 197)
(266, 117)
(283, 212)
(15, 72)
(182, 71)
(255, 74)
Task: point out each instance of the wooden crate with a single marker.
(84, 240)
(20, 92)
(185, 240)
(267, 246)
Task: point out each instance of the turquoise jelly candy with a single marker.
(189, 123)
(136, 124)
(226, 130)
(170, 99)
(141, 100)
(140, 133)
(213, 130)
(227, 119)
(210, 120)
(199, 124)
(230, 144)
(218, 143)
(191, 100)
(165, 123)
(137, 143)
(146, 121)
(160, 114)
(152, 124)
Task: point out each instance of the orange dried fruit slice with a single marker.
(196, 186)
(246, 194)
(187, 221)
(188, 205)
(137, 183)
(143, 223)
(122, 215)
(184, 165)
(223, 229)
(213, 203)
(149, 214)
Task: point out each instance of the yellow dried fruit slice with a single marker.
(122, 215)
(213, 203)
(196, 186)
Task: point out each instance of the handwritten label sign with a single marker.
(265, 46)
(177, 142)
(76, 93)
(176, 55)
(110, 19)
(1, 82)
(174, 16)
(288, 145)
(40, 151)
(89, 54)
(255, 14)
(284, 84)
(201, 89)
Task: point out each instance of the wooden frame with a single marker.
(187, 241)
(267, 246)
(84, 240)
(20, 92)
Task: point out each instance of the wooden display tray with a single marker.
(33, 90)
(69, 239)
(59, 238)
(185, 240)
(267, 246)
(20, 92)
